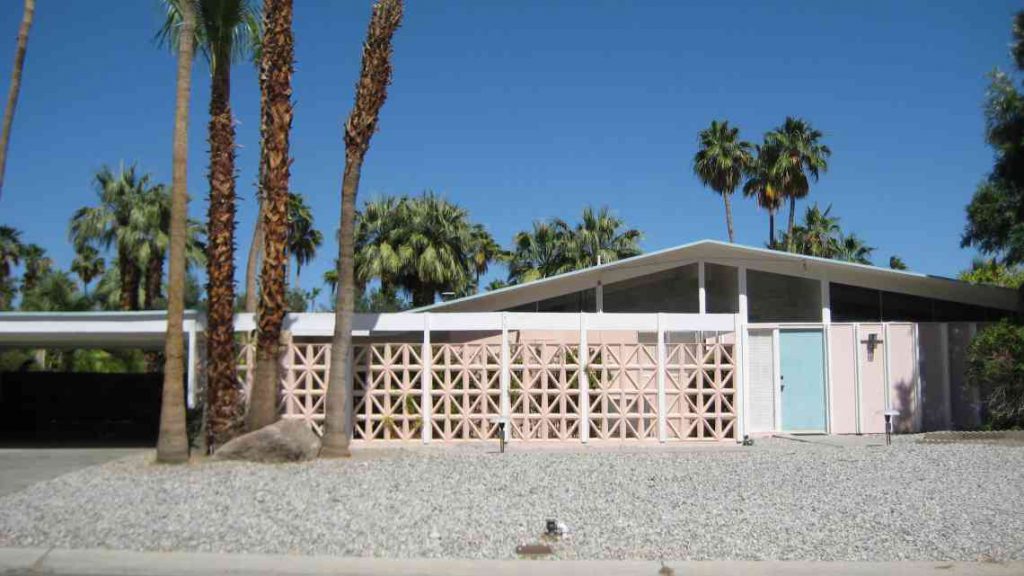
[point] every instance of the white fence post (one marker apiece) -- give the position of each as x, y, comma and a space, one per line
426, 402
584, 384
505, 378
738, 378
660, 352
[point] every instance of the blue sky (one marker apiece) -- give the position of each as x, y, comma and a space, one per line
529, 110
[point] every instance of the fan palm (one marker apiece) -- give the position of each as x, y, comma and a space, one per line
15, 90
801, 154
54, 291
436, 249
853, 249
122, 221
37, 264
539, 252
225, 31
303, 238
371, 93
483, 251
721, 162
819, 235
762, 186
276, 63
379, 233
87, 265
599, 239
10, 256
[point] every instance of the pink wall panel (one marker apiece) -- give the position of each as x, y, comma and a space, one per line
872, 380
843, 379
903, 377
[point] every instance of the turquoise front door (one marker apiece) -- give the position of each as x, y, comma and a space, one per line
802, 373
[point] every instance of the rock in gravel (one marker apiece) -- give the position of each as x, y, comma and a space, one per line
282, 441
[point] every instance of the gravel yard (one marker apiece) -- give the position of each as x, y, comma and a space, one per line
780, 499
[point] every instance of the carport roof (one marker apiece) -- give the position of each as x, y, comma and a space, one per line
89, 329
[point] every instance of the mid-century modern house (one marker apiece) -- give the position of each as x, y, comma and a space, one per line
704, 341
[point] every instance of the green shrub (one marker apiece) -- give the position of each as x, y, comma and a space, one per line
995, 366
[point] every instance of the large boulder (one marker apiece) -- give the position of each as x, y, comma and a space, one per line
282, 441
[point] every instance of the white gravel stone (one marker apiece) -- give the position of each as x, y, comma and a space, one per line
777, 500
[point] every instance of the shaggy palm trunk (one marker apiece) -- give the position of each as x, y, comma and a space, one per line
172, 443
130, 280
12, 95
153, 284
371, 93
728, 217
276, 84
789, 227
223, 397
771, 228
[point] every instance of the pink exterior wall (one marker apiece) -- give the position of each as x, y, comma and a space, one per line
843, 379
903, 377
872, 380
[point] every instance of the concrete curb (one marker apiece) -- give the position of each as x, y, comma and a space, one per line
125, 563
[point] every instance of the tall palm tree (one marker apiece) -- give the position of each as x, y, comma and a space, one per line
277, 56
10, 256
762, 185
436, 249
801, 154
226, 30
539, 252
87, 265
371, 92
15, 90
153, 252
721, 162
37, 264
121, 221
303, 238
599, 239
172, 444
484, 251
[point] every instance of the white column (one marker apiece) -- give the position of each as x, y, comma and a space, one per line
426, 375
506, 377
885, 364
191, 364
742, 273
584, 397
826, 302
662, 404
739, 376
599, 296
701, 292
918, 401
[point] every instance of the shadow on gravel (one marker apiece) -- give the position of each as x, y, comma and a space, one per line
1002, 438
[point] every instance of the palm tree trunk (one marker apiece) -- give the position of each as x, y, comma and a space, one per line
154, 280
771, 228
172, 443
223, 394
255, 257
129, 281
371, 93
12, 94
728, 217
276, 70
789, 227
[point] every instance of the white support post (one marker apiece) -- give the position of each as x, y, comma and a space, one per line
191, 365
826, 338
584, 397
505, 378
599, 296
426, 375
739, 374
777, 373
885, 364
744, 317
918, 401
702, 301
826, 302
662, 404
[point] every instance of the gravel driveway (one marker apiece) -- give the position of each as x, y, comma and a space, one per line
780, 499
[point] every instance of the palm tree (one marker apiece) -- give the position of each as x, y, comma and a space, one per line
54, 291
435, 250
801, 154
853, 249
277, 56
153, 252
37, 264
721, 162
120, 221
539, 252
172, 444
484, 251
380, 227
226, 30
371, 92
599, 239
303, 238
10, 256
12, 94
819, 235
897, 263
87, 265
761, 184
